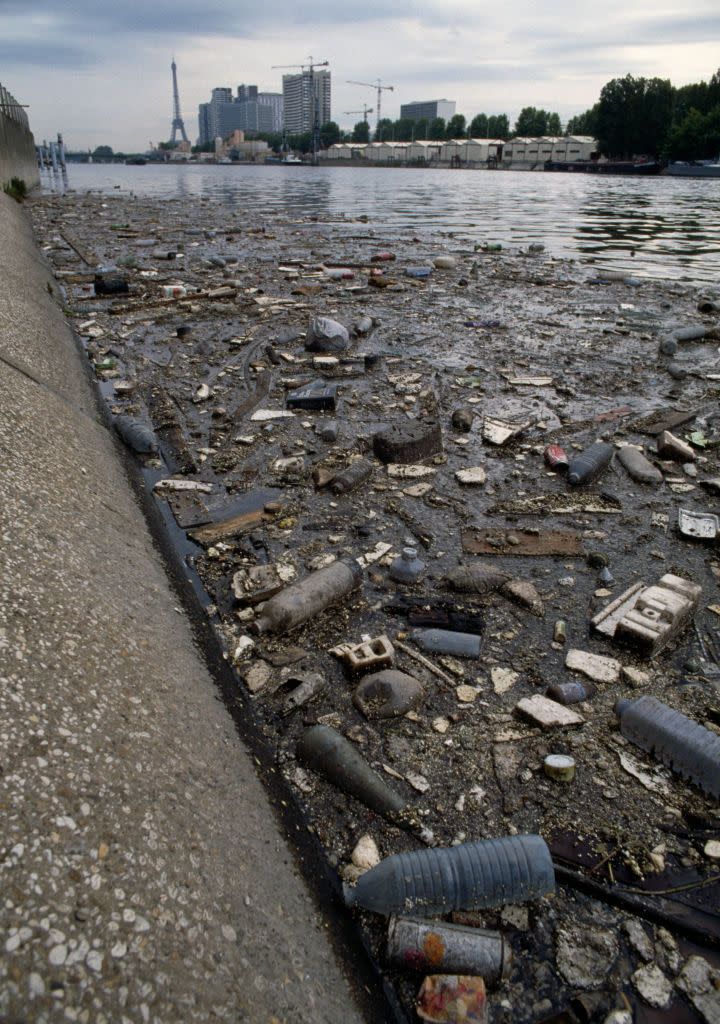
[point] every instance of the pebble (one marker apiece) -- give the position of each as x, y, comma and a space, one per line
366, 854
58, 955
712, 849
653, 986
466, 694
503, 678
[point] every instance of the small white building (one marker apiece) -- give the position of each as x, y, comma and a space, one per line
425, 151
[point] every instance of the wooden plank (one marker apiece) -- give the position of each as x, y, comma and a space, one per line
233, 526
521, 542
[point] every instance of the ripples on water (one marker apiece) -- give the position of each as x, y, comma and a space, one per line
672, 226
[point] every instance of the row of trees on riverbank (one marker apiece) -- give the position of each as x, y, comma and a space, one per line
650, 115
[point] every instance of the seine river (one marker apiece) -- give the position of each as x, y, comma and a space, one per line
653, 227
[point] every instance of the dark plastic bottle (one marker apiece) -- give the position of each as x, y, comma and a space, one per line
330, 754
136, 435
471, 876
588, 464
688, 748
407, 568
351, 477
445, 641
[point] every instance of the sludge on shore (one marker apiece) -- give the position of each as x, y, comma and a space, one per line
365, 440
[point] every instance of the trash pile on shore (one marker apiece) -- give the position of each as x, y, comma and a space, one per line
455, 512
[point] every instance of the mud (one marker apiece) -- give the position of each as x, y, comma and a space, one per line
518, 337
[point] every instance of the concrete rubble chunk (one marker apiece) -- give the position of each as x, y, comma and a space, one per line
473, 476
701, 984
595, 666
523, 592
365, 855
547, 713
259, 582
585, 956
408, 442
653, 986
258, 676
503, 679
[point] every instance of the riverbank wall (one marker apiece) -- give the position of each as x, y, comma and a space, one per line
17, 146
143, 870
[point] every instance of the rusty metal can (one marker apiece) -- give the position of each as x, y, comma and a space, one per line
442, 948
556, 457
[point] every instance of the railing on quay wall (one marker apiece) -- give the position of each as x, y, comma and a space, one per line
10, 107
18, 158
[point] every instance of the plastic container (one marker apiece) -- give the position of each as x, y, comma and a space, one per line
136, 435
586, 466
680, 743
301, 601
569, 693
174, 291
440, 948
471, 876
407, 568
351, 477
330, 754
446, 641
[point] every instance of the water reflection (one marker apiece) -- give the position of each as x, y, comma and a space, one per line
671, 225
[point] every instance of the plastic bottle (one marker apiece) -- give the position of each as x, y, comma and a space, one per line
569, 693
354, 475
174, 291
688, 748
445, 641
301, 601
470, 876
136, 435
586, 466
330, 754
436, 947
407, 568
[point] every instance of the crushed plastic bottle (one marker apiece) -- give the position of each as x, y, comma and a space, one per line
680, 743
489, 873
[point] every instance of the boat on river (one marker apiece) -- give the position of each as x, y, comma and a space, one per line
604, 166
694, 169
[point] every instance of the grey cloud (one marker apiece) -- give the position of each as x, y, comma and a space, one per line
468, 73
44, 53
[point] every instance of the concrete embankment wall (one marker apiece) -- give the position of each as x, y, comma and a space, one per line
17, 153
143, 873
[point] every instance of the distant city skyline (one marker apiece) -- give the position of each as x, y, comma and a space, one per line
100, 73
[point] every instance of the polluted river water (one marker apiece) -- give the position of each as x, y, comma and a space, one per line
275, 348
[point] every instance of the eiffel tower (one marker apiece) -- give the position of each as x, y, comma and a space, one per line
178, 125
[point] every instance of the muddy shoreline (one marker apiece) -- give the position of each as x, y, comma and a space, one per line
515, 336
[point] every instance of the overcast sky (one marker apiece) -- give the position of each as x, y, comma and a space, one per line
99, 70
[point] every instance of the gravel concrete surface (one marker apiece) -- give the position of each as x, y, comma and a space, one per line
143, 875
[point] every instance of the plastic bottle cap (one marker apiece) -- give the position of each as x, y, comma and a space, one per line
409, 554
621, 705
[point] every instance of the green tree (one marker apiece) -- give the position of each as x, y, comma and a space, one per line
553, 124
696, 137
583, 124
422, 129
456, 127
437, 128
532, 121
479, 127
361, 132
103, 153
634, 116
329, 134
206, 147
404, 129
498, 126
302, 142
384, 130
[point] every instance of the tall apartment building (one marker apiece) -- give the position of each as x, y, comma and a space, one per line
422, 110
299, 94
248, 111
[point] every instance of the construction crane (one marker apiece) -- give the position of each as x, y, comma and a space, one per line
379, 87
365, 111
309, 67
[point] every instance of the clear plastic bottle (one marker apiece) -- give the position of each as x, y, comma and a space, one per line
688, 748
407, 568
489, 873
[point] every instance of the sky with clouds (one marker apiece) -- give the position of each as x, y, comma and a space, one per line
99, 70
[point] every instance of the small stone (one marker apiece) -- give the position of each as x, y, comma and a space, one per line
228, 932
119, 950
366, 854
503, 678
441, 725
243, 648
635, 676
258, 676
595, 666
36, 985
418, 782
94, 960
584, 958
701, 983
712, 849
524, 593
58, 955
515, 916
474, 476
546, 713
639, 939
465, 693
653, 986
